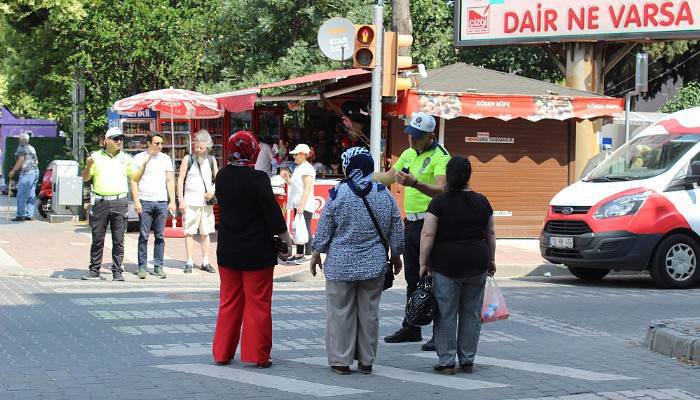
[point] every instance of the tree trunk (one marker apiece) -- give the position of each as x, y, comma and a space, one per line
401, 19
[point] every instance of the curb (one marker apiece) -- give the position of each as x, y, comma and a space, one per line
675, 338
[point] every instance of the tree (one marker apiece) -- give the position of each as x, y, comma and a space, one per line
687, 96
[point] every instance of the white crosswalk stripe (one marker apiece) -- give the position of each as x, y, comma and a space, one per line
542, 368
407, 375
554, 325
648, 394
264, 380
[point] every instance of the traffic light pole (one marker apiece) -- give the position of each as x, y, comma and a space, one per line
375, 136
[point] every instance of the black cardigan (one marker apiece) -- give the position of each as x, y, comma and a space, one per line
248, 218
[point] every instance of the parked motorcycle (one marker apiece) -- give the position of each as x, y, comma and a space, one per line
45, 193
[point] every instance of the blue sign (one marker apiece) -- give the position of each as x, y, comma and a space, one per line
113, 117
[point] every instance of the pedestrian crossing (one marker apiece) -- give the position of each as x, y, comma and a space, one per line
174, 324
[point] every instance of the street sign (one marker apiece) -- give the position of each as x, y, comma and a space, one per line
336, 39
501, 22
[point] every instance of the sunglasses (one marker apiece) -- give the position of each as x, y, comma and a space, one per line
119, 138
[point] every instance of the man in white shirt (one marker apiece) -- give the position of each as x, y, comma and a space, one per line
153, 191
301, 196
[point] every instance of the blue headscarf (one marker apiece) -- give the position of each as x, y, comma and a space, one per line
358, 166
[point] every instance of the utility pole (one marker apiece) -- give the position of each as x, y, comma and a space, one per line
375, 136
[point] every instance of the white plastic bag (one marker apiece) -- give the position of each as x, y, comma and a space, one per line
494, 308
299, 233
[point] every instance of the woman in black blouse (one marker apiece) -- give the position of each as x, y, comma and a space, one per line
248, 219
457, 249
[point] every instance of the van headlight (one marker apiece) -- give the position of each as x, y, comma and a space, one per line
621, 206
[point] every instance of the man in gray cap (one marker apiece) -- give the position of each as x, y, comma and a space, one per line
28, 167
421, 170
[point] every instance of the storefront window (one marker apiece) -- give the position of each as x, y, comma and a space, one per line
241, 121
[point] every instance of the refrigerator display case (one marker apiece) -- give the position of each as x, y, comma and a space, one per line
182, 137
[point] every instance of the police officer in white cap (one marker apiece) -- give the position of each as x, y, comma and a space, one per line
421, 169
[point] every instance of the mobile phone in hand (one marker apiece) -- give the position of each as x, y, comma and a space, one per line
405, 170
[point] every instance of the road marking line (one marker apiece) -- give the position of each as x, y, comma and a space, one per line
659, 394
4, 242
415, 376
7, 262
264, 380
542, 368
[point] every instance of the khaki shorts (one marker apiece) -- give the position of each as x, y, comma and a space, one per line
199, 220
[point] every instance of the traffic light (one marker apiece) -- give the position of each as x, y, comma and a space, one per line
365, 47
393, 62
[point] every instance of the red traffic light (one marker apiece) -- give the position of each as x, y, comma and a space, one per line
365, 35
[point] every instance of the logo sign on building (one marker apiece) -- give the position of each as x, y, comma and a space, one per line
485, 137
497, 22
336, 39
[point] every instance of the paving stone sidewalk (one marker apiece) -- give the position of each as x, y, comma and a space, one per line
678, 338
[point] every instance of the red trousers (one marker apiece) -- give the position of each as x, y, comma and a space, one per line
245, 299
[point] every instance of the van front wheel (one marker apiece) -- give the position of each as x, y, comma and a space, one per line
588, 274
675, 262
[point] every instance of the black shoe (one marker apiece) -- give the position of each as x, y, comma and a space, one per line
429, 345
117, 276
91, 275
207, 268
266, 364
27, 218
188, 269
467, 368
445, 369
18, 219
364, 369
404, 335
341, 369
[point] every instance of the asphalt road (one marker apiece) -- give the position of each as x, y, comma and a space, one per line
68, 339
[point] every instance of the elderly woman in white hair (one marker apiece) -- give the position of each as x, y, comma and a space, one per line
195, 191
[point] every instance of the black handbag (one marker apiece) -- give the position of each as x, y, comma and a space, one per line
421, 306
389, 274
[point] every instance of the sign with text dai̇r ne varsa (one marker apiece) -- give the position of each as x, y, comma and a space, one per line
494, 22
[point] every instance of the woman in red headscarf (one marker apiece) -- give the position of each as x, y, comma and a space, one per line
249, 217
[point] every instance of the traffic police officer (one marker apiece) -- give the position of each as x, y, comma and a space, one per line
421, 170
109, 170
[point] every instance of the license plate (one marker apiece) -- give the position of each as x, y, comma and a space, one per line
561, 242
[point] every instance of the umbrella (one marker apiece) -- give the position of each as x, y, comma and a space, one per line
177, 103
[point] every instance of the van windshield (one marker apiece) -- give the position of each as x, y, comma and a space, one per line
643, 157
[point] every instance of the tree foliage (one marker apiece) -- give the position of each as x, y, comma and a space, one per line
687, 96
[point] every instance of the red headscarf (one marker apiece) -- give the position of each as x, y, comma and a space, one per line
243, 149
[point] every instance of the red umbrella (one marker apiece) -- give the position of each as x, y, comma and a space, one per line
177, 103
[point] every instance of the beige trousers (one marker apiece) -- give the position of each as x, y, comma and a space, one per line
352, 320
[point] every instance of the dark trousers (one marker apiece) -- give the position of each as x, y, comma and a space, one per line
411, 265
112, 212
306, 248
153, 216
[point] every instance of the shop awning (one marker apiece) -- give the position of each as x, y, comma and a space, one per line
506, 107
244, 100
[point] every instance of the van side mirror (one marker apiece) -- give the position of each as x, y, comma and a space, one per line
695, 169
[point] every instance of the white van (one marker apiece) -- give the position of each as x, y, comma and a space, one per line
639, 209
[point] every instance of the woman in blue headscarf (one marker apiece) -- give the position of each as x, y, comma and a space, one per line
355, 262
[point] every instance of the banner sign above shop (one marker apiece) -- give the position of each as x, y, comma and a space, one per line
507, 107
497, 22
485, 137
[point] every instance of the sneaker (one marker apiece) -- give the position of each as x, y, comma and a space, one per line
158, 271
27, 218
429, 345
91, 275
404, 335
18, 219
142, 273
445, 369
188, 268
117, 276
207, 268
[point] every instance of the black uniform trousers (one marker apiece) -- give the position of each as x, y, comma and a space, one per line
411, 264
114, 213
